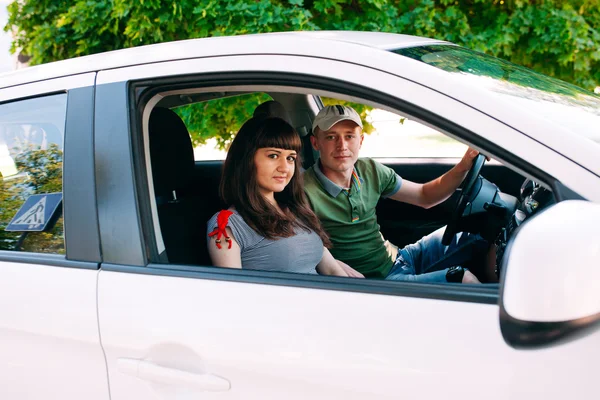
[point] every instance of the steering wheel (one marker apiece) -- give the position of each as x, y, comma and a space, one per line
466, 189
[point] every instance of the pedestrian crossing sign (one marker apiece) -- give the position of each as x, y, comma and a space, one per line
37, 214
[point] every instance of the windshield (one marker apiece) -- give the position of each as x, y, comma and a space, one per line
564, 104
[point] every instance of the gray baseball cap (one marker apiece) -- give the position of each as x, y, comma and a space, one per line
331, 115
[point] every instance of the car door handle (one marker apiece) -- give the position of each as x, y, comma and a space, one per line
150, 371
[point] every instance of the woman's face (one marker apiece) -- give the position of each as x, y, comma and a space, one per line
274, 169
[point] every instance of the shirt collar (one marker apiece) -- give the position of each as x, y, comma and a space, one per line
333, 188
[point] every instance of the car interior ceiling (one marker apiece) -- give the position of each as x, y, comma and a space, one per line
187, 193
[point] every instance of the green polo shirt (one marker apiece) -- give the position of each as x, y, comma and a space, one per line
349, 216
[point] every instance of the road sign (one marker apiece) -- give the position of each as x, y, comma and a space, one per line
36, 213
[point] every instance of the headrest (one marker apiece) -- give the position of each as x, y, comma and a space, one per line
171, 152
272, 108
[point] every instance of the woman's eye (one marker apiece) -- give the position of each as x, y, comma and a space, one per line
291, 158
273, 156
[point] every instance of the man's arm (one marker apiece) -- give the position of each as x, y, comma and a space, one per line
429, 194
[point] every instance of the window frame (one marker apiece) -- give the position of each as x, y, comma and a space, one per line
140, 93
77, 165
485, 294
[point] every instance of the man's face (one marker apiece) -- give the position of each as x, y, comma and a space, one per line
338, 146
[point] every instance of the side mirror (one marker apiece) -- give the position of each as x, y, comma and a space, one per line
550, 289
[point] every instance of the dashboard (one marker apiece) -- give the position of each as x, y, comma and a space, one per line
533, 199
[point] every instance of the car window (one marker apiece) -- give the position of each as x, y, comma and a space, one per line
188, 202
213, 124
389, 135
399, 137
31, 159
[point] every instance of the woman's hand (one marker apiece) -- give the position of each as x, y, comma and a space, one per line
352, 273
331, 266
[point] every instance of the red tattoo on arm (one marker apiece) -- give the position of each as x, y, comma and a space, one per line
222, 220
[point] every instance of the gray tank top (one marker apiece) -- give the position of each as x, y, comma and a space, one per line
299, 253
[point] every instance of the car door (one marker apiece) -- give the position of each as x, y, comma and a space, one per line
180, 331
49, 338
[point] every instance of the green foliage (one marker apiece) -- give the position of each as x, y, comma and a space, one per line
10, 202
43, 168
220, 118
459, 59
559, 38
40, 171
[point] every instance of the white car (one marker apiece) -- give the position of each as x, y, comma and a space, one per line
115, 298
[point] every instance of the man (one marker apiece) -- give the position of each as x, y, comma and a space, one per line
344, 190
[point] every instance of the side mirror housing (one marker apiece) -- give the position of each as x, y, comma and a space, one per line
550, 289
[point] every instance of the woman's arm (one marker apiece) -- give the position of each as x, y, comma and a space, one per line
331, 266
352, 273
225, 256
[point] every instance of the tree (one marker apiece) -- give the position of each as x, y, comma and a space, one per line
556, 37
10, 204
221, 120
40, 172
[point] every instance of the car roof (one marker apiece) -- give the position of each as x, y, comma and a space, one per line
267, 43
380, 40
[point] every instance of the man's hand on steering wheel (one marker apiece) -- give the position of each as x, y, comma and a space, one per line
466, 162
472, 161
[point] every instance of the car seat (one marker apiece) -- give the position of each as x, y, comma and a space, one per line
181, 214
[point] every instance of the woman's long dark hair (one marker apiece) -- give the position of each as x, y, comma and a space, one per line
239, 186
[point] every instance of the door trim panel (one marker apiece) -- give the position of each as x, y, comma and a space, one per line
483, 294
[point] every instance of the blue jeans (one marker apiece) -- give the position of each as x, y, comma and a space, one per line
428, 259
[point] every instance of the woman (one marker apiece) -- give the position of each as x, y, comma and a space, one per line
269, 225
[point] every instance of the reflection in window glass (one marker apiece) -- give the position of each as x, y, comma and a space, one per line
565, 104
31, 158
